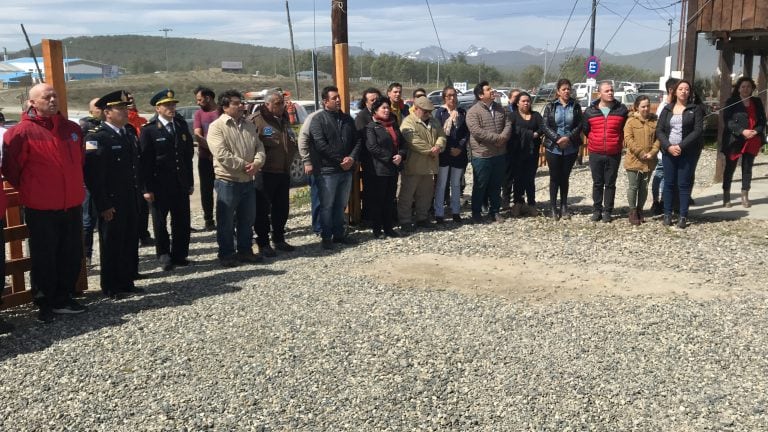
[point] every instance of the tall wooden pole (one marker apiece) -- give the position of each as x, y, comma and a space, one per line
727, 58
341, 61
762, 77
691, 39
293, 54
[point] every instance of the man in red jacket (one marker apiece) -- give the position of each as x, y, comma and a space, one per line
604, 126
43, 160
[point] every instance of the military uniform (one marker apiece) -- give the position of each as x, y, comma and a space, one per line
90, 215
112, 176
166, 167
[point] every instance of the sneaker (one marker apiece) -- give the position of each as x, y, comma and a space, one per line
607, 217
71, 306
229, 261
667, 220
392, 233
596, 216
245, 257
267, 251
439, 220
5, 327
45, 315
457, 218
682, 223
285, 247
209, 226
327, 244
477, 219
497, 218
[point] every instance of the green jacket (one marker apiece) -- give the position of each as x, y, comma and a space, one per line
419, 140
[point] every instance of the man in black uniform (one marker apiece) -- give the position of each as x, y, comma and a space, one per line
112, 177
166, 168
90, 215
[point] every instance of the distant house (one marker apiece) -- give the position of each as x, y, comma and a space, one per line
11, 76
74, 68
232, 66
307, 75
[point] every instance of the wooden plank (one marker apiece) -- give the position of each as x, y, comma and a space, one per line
748, 15
761, 15
736, 15
762, 78
16, 233
717, 15
705, 19
14, 200
16, 299
53, 59
18, 265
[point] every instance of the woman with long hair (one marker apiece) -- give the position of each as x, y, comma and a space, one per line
562, 131
453, 160
640, 161
744, 119
679, 131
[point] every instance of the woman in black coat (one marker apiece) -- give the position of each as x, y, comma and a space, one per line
386, 147
525, 144
744, 120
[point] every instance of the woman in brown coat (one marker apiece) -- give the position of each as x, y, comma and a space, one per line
640, 161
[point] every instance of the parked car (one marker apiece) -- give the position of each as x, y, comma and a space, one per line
188, 112
579, 90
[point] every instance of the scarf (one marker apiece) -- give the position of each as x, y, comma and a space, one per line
388, 124
448, 125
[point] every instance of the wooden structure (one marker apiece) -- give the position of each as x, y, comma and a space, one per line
735, 27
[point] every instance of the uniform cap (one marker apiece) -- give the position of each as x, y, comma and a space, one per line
163, 96
116, 98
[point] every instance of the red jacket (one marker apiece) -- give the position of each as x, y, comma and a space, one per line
43, 160
605, 135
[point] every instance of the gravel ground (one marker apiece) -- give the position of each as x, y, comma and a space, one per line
552, 326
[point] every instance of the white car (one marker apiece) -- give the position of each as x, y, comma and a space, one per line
580, 90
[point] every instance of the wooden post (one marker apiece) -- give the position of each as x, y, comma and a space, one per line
691, 36
725, 64
53, 59
762, 78
749, 61
341, 61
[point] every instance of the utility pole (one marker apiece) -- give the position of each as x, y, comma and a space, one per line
592, 29
669, 50
361, 58
293, 54
166, 30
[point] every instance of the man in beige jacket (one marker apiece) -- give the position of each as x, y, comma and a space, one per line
238, 156
424, 139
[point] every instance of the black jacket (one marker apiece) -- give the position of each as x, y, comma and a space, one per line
333, 138
550, 125
361, 121
458, 138
693, 127
112, 168
166, 160
522, 141
381, 149
736, 120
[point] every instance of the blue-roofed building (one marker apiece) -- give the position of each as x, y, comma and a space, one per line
74, 68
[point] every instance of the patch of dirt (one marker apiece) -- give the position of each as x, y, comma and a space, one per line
533, 280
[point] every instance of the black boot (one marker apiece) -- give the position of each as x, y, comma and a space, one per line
727, 199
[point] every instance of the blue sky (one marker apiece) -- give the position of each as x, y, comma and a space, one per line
383, 26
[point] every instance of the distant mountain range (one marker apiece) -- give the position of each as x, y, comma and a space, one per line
706, 64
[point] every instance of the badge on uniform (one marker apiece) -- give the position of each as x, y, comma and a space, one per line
268, 131
91, 145
74, 137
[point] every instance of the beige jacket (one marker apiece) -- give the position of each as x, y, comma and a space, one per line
233, 146
419, 140
640, 139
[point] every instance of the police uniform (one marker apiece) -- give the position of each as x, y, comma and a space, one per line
166, 167
112, 176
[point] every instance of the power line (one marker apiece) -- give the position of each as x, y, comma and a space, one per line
442, 51
544, 77
660, 7
633, 22
619, 27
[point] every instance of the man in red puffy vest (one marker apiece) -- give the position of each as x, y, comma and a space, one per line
604, 126
43, 160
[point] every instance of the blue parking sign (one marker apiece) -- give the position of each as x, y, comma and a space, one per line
592, 66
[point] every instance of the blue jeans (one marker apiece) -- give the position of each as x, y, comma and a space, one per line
235, 206
678, 173
448, 175
334, 195
314, 196
488, 175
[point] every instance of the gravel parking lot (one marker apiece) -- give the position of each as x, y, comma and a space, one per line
529, 324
